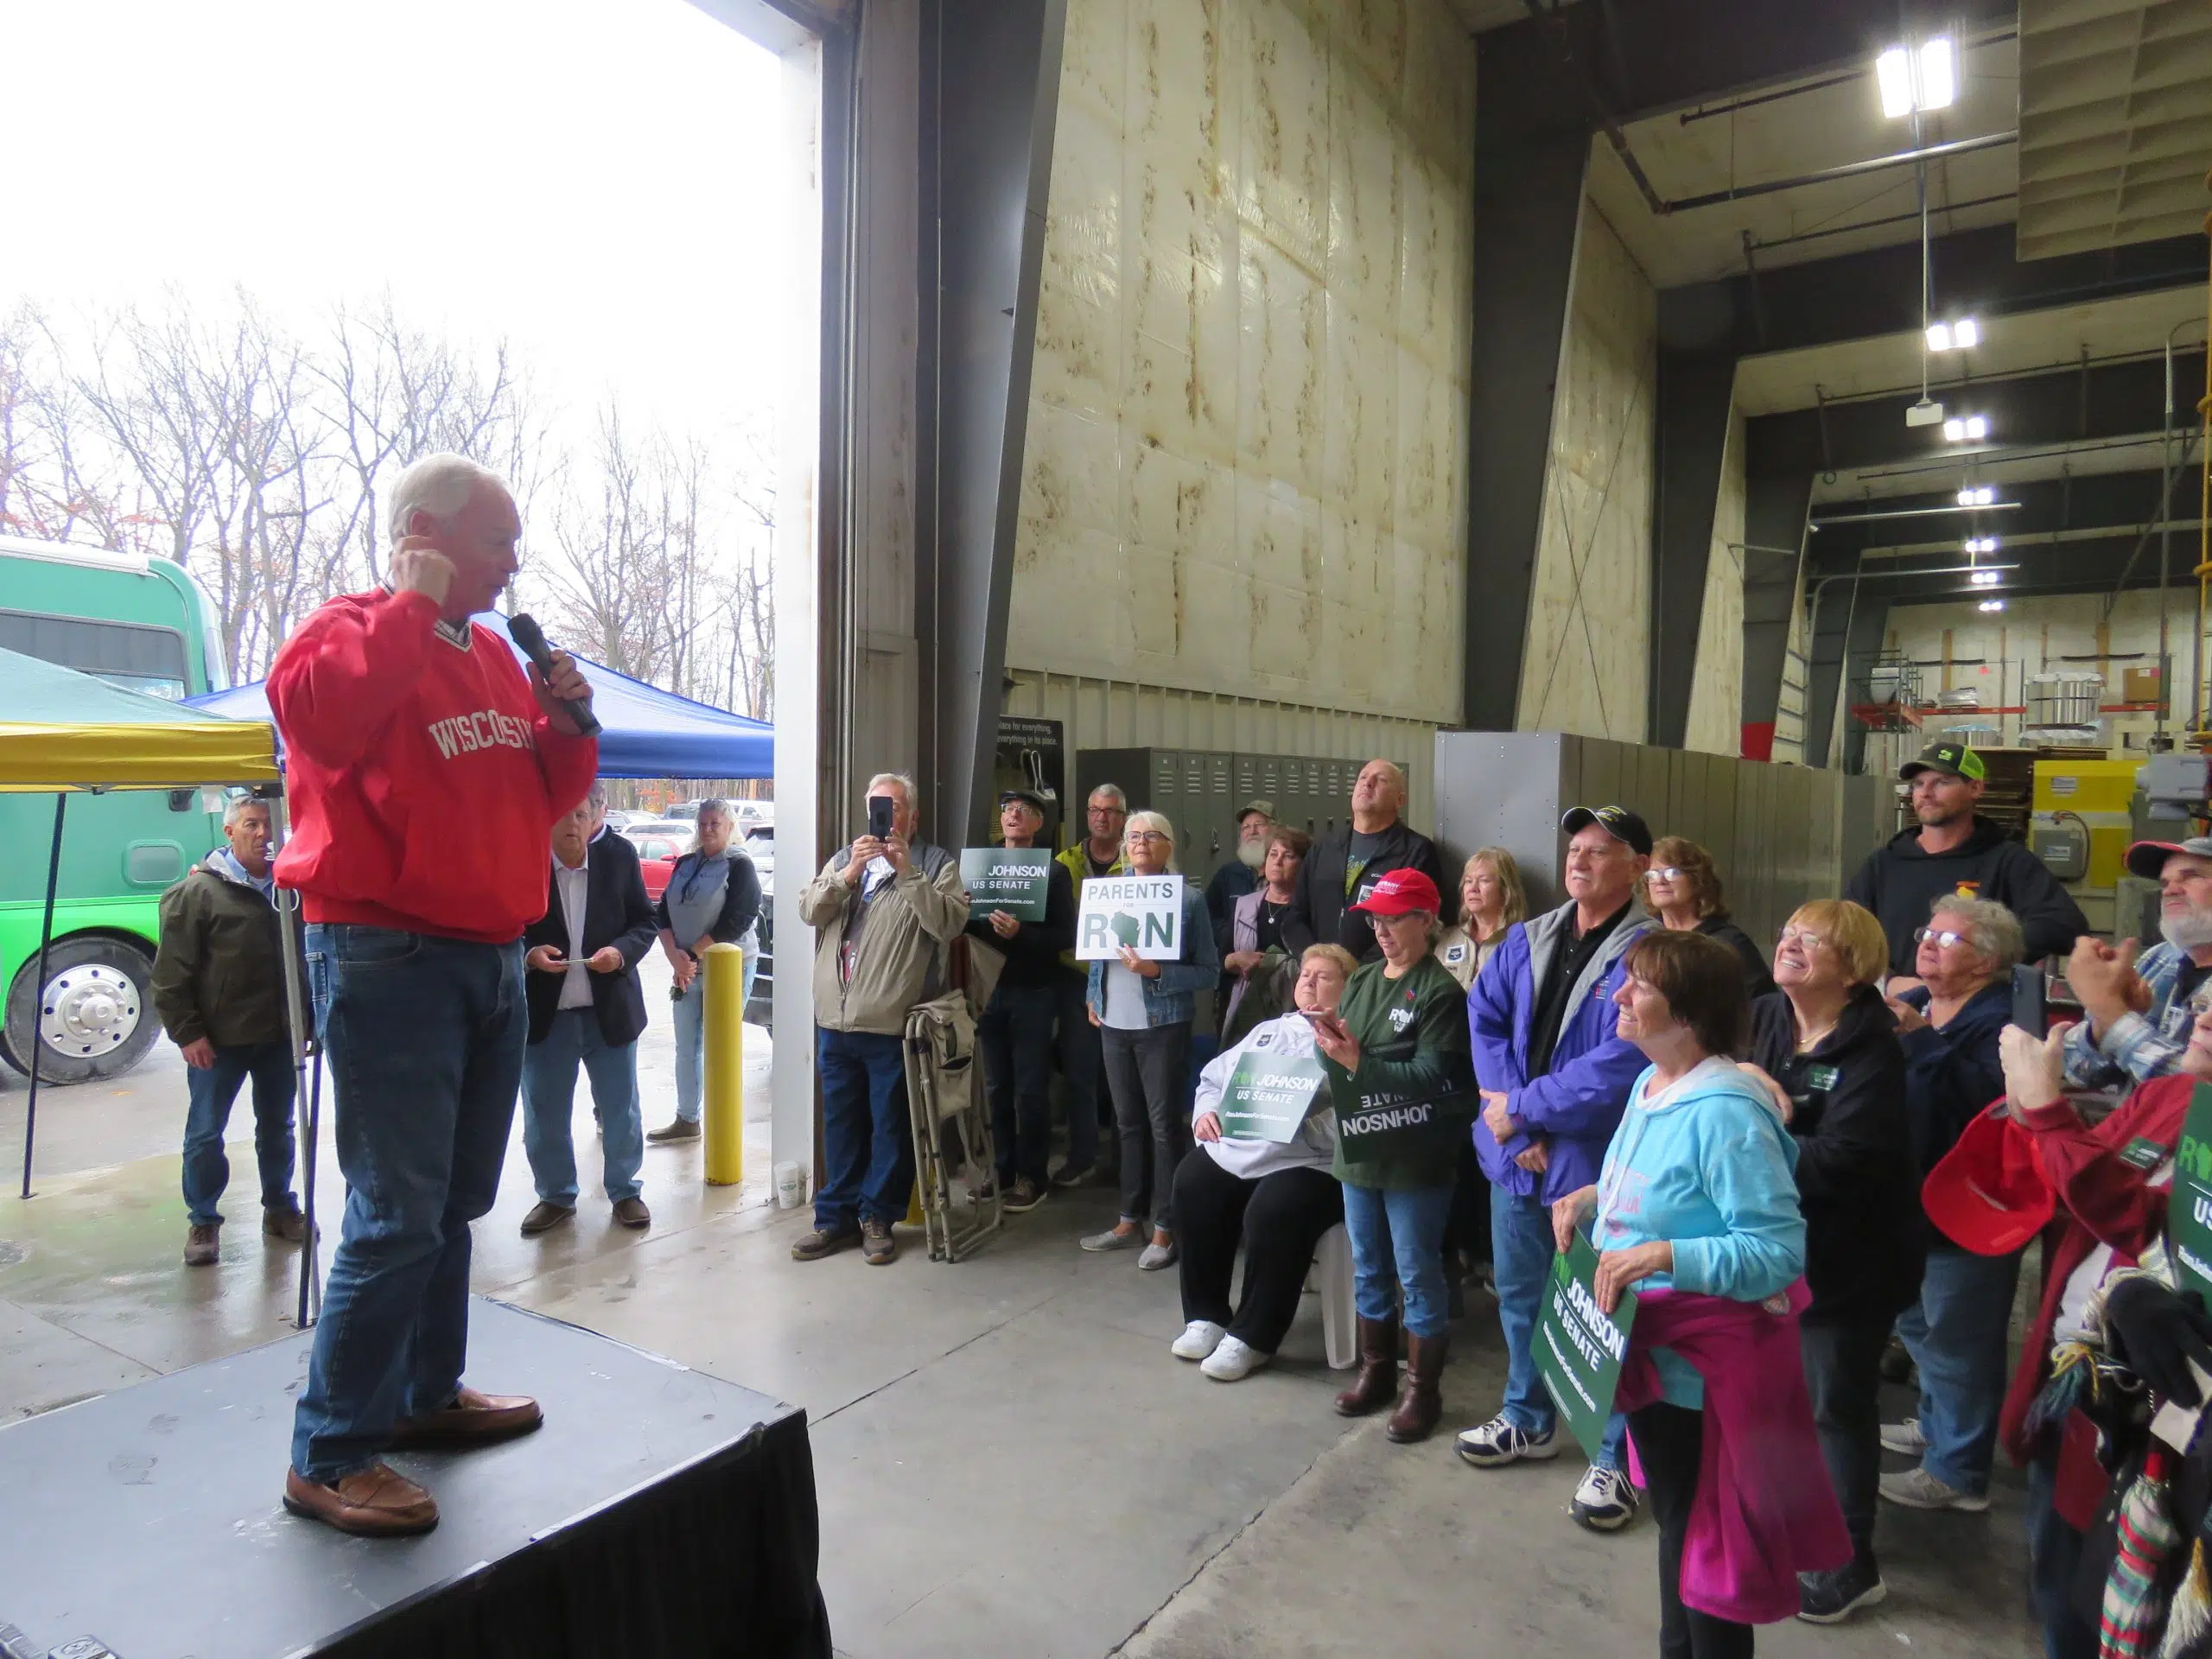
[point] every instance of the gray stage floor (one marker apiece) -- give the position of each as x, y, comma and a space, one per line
1009, 1461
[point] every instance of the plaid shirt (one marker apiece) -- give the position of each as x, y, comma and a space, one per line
2138, 1047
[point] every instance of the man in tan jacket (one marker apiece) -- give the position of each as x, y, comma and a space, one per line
885, 910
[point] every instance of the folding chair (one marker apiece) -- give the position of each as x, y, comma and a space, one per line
945, 1097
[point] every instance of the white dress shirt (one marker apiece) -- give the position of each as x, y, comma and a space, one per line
575, 887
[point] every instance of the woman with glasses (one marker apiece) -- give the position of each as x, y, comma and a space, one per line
1491, 899
1829, 1045
1143, 1011
1956, 1331
1684, 893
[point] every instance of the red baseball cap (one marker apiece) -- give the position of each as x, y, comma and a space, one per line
1398, 892
1989, 1193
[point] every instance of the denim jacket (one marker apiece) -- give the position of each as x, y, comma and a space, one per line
1171, 999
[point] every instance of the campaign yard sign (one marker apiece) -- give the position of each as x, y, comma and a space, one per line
2188, 1208
1142, 912
1011, 878
1579, 1351
1268, 1096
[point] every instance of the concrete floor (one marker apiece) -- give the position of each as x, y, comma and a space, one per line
1009, 1461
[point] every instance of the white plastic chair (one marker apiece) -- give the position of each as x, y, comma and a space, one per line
1339, 1317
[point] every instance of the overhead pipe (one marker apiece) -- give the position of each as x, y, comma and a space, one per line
1847, 170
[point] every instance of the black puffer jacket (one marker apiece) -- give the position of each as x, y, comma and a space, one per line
1858, 1180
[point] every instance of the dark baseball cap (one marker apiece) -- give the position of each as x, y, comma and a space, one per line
1265, 809
2148, 858
1615, 821
1028, 796
1955, 759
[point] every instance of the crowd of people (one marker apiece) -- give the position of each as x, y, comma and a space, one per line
1792, 1160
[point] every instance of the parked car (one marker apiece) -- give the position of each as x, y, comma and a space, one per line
620, 817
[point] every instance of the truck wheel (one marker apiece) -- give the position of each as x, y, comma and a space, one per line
96, 1018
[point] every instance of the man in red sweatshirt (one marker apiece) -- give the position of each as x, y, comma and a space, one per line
401, 719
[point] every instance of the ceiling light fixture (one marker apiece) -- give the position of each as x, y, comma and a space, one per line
1963, 335
1982, 544
1917, 79
1969, 429
1985, 578
1993, 605
1981, 496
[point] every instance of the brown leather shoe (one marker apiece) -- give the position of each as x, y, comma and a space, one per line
632, 1212
877, 1245
1422, 1403
288, 1224
377, 1502
203, 1246
544, 1217
473, 1418
1377, 1381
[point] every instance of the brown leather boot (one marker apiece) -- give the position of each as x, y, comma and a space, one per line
1378, 1369
1422, 1403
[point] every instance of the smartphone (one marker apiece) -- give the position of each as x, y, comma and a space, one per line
879, 815
2031, 1006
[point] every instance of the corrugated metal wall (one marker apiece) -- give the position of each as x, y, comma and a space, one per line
1098, 714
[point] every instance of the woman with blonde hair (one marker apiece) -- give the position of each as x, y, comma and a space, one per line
1143, 1011
1491, 899
1829, 1046
1684, 893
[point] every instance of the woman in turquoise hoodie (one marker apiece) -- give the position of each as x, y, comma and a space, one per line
1697, 1193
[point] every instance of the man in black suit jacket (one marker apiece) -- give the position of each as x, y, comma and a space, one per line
586, 1005
1344, 868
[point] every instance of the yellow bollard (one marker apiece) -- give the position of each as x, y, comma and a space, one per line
722, 1035
914, 1216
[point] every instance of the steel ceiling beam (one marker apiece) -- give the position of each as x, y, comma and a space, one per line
2090, 501
2109, 400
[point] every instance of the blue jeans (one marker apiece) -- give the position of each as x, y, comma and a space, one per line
1015, 1034
1522, 1248
2053, 1562
1957, 1334
1397, 1238
868, 1141
690, 1038
424, 1038
549, 1107
212, 1090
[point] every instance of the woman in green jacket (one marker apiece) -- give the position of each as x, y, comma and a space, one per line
1403, 1083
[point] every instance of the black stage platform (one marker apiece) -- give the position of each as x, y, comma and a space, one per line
659, 1511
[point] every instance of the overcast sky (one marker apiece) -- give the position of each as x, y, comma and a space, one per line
599, 180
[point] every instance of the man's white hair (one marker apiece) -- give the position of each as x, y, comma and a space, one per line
897, 777
239, 805
439, 484
1112, 793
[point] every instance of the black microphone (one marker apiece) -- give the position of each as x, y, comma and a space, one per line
526, 633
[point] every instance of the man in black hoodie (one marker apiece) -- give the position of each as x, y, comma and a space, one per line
1957, 850
1343, 867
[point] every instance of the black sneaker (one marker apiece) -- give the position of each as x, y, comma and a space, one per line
1022, 1197
1831, 1597
1069, 1175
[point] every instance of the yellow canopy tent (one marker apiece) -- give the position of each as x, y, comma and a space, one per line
63, 732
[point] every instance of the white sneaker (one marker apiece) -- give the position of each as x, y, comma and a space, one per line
1916, 1489
1904, 1437
1199, 1338
1233, 1360
1497, 1442
1603, 1501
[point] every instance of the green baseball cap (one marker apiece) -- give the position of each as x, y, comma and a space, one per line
1956, 758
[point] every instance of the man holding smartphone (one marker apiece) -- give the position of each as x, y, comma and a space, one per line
884, 911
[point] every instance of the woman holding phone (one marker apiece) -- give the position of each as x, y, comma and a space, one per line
1399, 1038
1143, 1011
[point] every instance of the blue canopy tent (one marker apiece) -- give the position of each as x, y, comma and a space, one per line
649, 732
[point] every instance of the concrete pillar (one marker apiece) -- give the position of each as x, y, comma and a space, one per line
1696, 390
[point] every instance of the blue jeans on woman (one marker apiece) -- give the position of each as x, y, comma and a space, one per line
690, 1040
1398, 1243
213, 1092
1956, 1335
423, 1039
1521, 1246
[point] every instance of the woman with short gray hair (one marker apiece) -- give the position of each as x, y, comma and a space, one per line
1948, 1027
713, 897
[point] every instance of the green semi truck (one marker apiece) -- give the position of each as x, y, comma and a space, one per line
144, 625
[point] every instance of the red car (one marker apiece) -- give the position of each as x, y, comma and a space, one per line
656, 856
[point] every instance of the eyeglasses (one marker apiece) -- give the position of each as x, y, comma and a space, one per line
1149, 834
1943, 939
1669, 874
1799, 936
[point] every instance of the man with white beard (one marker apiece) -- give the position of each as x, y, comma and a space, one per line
2139, 1011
